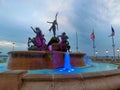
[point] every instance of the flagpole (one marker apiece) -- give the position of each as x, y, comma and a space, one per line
76, 42
94, 48
113, 45
93, 39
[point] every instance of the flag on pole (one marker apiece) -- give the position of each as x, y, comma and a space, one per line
113, 32
92, 36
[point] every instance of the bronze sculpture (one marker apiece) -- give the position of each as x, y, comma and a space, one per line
59, 43
38, 40
54, 25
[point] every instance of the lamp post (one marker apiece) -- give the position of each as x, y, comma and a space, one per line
118, 51
96, 53
106, 53
13, 46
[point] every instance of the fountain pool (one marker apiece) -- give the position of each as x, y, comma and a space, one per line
94, 67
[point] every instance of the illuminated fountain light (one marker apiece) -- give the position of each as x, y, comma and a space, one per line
67, 64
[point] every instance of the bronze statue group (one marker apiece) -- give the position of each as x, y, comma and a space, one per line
58, 43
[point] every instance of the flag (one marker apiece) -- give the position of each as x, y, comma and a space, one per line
92, 36
113, 32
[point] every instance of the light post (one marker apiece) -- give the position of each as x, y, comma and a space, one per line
118, 51
96, 53
106, 53
13, 46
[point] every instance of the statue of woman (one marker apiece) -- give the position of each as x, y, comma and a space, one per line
54, 25
64, 44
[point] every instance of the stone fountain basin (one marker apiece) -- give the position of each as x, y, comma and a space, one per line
32, 60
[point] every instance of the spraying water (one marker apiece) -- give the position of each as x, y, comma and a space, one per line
67, 64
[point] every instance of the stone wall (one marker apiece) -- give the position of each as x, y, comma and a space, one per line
11, 80
20, 80
109, 80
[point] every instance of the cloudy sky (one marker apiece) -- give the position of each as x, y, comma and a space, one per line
81, 16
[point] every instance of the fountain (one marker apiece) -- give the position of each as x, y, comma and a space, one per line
50, 58
45, 56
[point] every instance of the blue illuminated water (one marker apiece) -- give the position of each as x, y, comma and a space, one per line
67, 65
95, 67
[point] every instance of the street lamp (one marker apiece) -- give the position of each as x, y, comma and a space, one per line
118, 51
13, 46
106, 53
96, 53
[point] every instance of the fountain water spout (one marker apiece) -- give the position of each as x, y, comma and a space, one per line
67, 64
